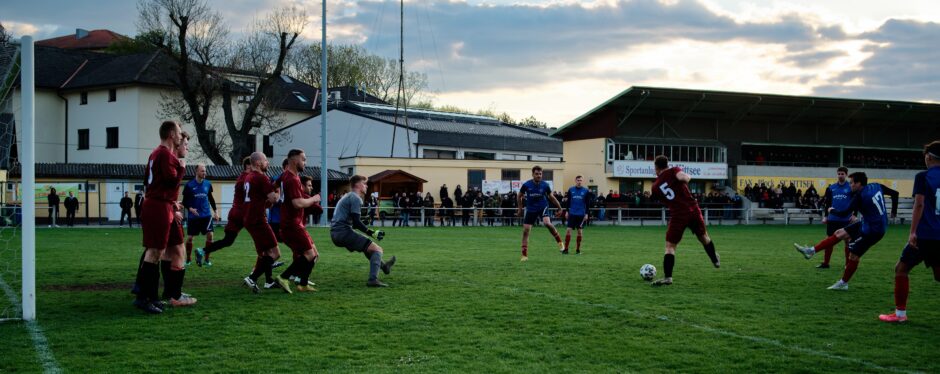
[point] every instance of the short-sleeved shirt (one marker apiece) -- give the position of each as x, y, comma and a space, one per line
163, 175
350, 204
274, 212
257, 188
841, 196
578, 200
536, 195
197, 196
673, 193
290, 190
870, 202
927, 183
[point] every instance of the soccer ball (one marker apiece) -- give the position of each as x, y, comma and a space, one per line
647, 272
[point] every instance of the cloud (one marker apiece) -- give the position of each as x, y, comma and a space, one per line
904, 64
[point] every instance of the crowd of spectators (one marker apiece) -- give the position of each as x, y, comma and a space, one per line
891, 160
785, 158
774, 197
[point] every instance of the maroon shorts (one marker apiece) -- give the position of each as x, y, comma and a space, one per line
263, 237
235, 223
297, 239
156, 218
678, 223
176, 234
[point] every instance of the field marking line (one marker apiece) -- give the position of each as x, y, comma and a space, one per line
49, 363
705, 328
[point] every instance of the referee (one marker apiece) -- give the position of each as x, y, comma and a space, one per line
201, 210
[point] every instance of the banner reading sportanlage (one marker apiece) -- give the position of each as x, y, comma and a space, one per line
644, 169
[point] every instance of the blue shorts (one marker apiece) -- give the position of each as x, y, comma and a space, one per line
927, 251
861, 242
531, 217
575, 222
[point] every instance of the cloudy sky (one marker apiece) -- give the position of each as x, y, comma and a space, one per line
557, 59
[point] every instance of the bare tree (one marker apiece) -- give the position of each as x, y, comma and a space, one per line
4, 37
197, 40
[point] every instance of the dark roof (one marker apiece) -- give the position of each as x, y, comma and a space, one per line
134, 171
389, 173
95, 39
752, 107
462, 130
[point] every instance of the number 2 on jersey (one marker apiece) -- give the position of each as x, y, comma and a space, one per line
670, 194
247, 187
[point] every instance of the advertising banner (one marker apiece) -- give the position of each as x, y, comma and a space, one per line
644, 169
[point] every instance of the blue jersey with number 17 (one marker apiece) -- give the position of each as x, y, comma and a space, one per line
927, 183
870, 202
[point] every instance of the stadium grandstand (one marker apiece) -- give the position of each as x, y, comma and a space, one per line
779, 151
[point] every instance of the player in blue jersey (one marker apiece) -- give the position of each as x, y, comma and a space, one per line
537, 193
579, 199
923, 245
200, 210
837, 197
867, 199
274, 212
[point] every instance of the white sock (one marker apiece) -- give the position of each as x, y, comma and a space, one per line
900, 313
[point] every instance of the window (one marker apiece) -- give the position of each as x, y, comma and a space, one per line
548, 175
511, 175
301, 97
475, 179
112, 137
83, 98
211, 135
112, 95
349, 170
267, 147
437, 153
515, 157
92, 187
630, 185
252, 142
250, 86
82, 139
479, 156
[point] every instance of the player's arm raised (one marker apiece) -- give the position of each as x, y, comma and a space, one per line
895, 195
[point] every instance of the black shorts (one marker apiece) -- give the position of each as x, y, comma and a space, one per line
861, 242
532, 217
833, 226
927, 251
199, 226
349, 239
575, 222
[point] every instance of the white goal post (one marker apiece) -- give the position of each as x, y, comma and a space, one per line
28, 175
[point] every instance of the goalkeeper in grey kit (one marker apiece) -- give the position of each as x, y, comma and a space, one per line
348, 217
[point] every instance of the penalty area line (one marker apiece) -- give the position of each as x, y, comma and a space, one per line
49, 364
705, 328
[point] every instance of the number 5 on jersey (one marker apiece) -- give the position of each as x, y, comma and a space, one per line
670, 194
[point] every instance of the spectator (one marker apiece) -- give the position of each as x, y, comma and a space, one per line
458, 195
396, 213
447, 211
467, 205
53, 199
372, 204
429, 209
443, 192
138, 204
126, 205
71, 205
404, 205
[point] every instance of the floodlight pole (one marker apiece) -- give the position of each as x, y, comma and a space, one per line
324, 174
28, 175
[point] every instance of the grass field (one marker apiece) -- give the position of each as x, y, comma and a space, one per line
461, 301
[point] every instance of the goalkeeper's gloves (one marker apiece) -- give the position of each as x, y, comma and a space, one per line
378, 235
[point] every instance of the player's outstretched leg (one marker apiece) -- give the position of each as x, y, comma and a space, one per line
374, 253
525, 242
709, 246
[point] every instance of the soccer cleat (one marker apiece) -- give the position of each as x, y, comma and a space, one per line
270, 285
376, 283
561, 247
717, 262
208, 264
661, 282
387, 265
147, 306
306, 289
276, 264
822, 266
283, 284
524, 258
183, 301
807, 252
252, 285
578, 252
892, 318
187, 264
200, 254
565, 251
839, 286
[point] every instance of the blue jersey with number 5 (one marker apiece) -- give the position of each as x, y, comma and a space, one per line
927, 183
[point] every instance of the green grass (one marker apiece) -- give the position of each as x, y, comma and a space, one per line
461, 301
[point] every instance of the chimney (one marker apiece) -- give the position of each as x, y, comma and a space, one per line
80, 33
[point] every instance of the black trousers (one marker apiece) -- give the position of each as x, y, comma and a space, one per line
126, 212
70, 217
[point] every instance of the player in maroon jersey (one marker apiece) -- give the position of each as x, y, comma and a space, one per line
259, 194
172, 266
293, 202
162, 176
672, 189
235, 215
